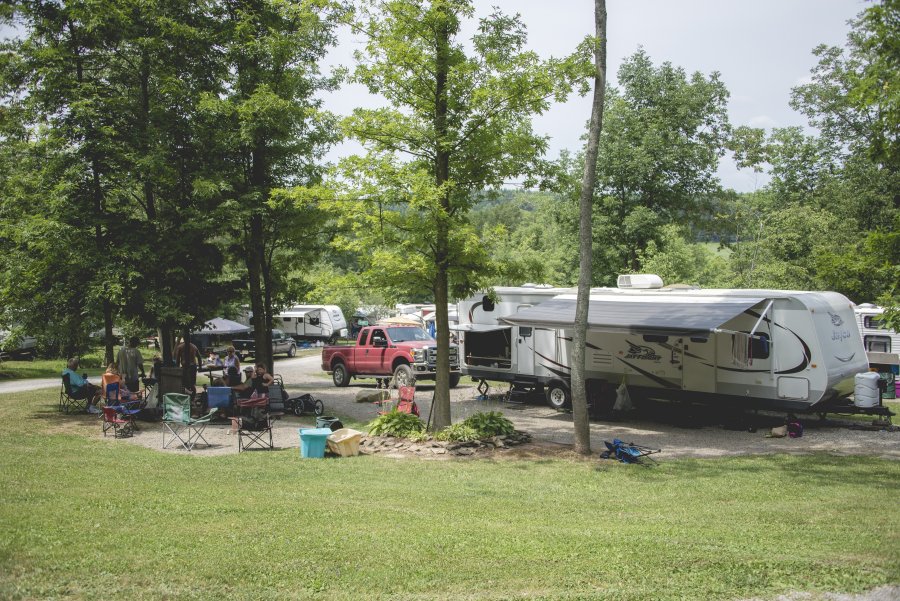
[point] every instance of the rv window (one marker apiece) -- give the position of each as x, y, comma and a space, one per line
313, 321
287, 319
524, 332
759, 346
699, 340
655, 338
487, 304
873, 322
877, 344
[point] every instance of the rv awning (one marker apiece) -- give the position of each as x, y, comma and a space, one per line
478, 327
669, 316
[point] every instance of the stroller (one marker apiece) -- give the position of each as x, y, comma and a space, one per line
628, 452
305, 403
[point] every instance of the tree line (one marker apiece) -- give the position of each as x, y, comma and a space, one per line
162, 163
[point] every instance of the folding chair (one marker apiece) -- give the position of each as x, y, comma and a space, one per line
70, 401
407, 400
628, 452
121, 426
178, 422
254, 423
128, 408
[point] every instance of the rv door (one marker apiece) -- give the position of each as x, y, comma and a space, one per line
698, 363
524, 344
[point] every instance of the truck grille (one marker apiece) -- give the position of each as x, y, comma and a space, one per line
431, 356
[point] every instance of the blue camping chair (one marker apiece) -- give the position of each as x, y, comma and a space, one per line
115, 398
628, 452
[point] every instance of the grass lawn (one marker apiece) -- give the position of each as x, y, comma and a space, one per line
84, 518
41, 368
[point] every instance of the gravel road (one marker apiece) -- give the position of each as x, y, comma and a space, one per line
699, 436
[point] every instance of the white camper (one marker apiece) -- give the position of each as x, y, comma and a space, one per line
313, 322
877, 338
754, 348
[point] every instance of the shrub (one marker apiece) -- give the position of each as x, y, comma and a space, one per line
395, 423
490, 423
458, 432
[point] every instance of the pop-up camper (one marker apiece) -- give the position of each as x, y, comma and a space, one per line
313, 322
754, 348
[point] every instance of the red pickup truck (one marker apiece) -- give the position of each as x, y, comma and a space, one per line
404, 352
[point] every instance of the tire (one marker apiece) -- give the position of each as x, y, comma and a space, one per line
292, 351
403, 375
454, 380
339, 375
320, 407
298, 408
558, 396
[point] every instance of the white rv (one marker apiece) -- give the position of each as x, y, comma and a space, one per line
753, 348
877, 338
312, 322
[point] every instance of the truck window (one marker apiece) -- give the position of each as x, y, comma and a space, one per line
378, 338
362, 337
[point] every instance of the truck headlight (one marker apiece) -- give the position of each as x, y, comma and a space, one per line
418, 355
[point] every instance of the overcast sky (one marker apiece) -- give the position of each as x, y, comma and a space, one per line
762, 48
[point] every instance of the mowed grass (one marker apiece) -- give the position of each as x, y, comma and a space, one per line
86, 518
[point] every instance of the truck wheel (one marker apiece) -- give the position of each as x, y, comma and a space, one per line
339, 375
403, 375
454, 380
292, 351
558, 396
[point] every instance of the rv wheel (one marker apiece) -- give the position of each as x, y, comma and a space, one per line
339, 375
558, 396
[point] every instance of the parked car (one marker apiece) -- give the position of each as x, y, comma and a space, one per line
24, 347
281, 344
382, 351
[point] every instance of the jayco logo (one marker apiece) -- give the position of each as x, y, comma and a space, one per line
840, 335
836, 319
644, 353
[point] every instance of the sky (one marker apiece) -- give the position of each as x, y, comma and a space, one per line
761, 48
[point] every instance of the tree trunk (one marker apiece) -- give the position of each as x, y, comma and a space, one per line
579, 338
440, 410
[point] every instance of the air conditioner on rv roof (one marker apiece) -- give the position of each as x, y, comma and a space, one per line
640, 280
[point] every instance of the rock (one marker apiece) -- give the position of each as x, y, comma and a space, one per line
465, 451
440, 451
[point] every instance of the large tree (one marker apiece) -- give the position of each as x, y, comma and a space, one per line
458, 122
663, 134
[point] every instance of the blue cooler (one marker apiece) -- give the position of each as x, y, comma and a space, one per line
312, 442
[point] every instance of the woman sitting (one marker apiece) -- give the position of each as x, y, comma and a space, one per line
112, 376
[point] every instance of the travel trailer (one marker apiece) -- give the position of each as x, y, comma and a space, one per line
312, 322
773, 349
875, 336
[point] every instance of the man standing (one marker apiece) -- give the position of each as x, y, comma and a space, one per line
187, 355
131, 364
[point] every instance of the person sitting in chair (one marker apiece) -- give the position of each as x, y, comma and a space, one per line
257, 382
79, 386
112, 376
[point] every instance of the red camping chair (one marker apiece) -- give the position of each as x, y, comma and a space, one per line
254, 423
121, 425
407, 400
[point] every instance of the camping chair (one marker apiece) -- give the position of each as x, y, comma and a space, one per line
70, 401
125, 407
121, 425
254, 423
178, 422
628, 452
407, 400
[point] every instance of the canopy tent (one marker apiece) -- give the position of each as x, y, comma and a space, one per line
676, 316
223, 326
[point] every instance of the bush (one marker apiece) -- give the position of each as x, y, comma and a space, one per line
395, 423
490, 423
459, 432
